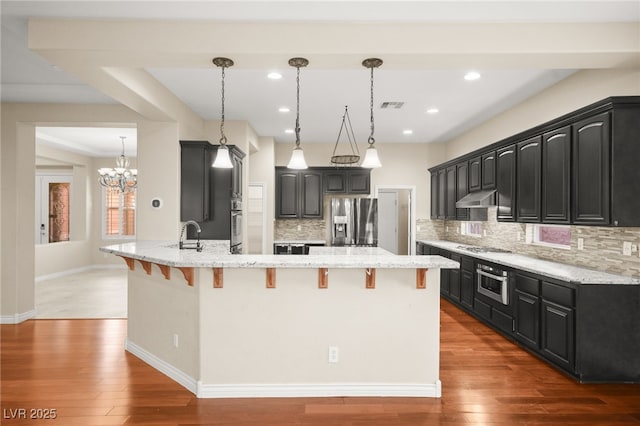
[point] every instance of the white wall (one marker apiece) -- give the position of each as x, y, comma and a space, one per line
574, 92
262, 163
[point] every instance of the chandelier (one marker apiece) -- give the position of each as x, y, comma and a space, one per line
120, 176
349, 158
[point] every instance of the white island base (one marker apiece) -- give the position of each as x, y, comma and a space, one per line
270, 332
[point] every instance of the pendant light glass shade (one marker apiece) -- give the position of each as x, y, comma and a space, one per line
371, 159
223, 161
297, 159
297, 156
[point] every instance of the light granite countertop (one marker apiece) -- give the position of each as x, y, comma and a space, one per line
559, 271
215, 256
349, 251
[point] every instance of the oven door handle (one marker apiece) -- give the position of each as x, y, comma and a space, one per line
486, 274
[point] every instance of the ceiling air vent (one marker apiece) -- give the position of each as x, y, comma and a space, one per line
391, 105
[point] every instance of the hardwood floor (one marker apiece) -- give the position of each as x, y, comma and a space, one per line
80, 369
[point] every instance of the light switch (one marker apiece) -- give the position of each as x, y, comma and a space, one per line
626, 248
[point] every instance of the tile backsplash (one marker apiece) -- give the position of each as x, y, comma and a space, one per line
602, 245
301, 229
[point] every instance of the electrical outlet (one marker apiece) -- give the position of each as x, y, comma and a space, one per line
175, 341
333, 354
580, 243
626, 248
299, 227
418, 228
484, 232
519, 236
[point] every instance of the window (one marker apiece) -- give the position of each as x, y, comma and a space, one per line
472, 229
552, 236
53, 208
119, 213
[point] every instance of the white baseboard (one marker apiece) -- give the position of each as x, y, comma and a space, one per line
78, 270
18, 318
162, 366
319, 390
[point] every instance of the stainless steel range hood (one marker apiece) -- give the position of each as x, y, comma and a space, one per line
477, 200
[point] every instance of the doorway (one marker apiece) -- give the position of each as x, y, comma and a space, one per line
256, 219
396, 210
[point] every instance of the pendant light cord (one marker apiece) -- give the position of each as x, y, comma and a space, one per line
371, 139
297, 130
223, 138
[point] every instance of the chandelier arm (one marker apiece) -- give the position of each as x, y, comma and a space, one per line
352, 138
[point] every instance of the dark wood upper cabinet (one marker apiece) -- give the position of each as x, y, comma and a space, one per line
556, 176
591, 160
287, 194
335, 181
442, 193
506, 183
475, 174
195, 162
462, 188
311, 196
358, 181
450, 211
434, 195
489, 170
528, 180
346, 181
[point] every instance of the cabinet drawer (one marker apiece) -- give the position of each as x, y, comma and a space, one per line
558, 294
467, 264
527, 284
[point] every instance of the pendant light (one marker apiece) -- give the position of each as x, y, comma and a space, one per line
297, 156
371, 159
223, 161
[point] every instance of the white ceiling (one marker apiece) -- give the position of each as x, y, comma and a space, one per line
27, 77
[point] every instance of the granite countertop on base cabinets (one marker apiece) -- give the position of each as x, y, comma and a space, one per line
299, 242
559, 271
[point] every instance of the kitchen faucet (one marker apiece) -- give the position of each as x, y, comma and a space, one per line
183, 244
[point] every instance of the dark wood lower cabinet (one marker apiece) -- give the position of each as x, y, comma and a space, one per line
589, 331
558, 334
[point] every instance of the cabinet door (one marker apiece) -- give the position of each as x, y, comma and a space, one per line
444, 273
236, 177
311, 197
558, 334
335, 181
454, 280
462, 188
434, 195
527, 318
466, 288
442, 193
528, 180
489, 170
287, 194
556, 174
506, 183
450, 212
195, 164
475, 174
358, 181
591, 153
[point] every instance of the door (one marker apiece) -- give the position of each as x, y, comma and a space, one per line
53, 208
388, 219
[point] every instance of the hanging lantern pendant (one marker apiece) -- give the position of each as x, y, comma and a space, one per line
346, 159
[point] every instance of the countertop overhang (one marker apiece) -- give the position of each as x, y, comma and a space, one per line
214, 256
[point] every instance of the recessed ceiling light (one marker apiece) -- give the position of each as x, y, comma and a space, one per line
407, 132
433, 111
472, 75
284, 109
274, 75
289, 131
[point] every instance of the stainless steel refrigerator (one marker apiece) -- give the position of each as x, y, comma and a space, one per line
354, 222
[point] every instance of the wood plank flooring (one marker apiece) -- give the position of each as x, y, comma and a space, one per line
80, 369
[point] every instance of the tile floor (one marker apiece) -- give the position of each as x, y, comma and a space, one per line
99, 293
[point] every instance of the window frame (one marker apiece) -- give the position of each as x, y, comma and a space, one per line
121, 209
535, 236
466, 225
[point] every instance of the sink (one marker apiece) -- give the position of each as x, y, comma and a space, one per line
474, 249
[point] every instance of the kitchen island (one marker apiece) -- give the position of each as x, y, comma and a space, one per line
362, 324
